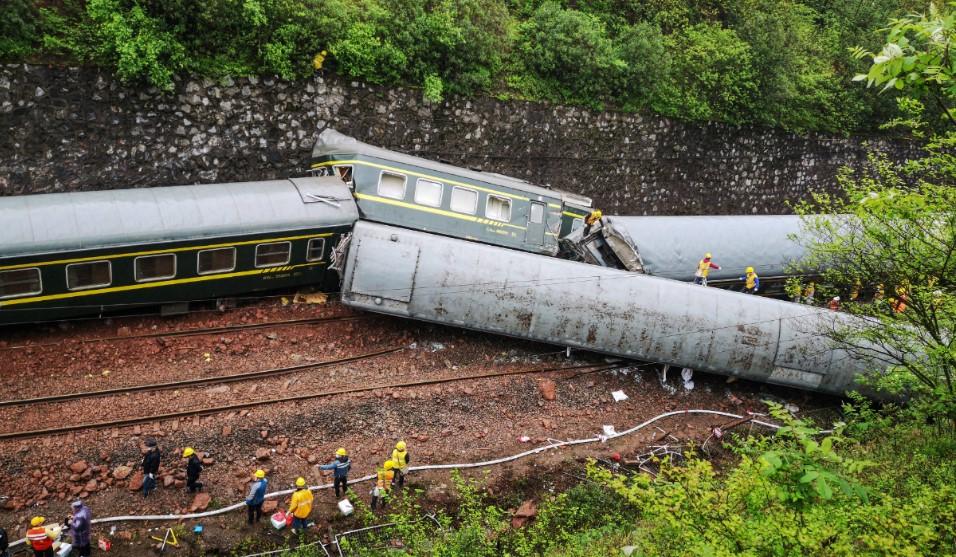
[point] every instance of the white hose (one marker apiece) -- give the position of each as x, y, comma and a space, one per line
551, 445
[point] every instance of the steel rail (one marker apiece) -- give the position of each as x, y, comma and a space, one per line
196, 331
242, 405
199, 381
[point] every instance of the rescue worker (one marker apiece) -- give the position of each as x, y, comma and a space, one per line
79, 524
751, 281
383, 483
340, 471
401, 459
593, 217
899, 302
319, 60
257, 495
193, 469
879, 293
808, 293
855, 291
4, 543
834, 304
41, 538
150, 467
703, 269
300, 506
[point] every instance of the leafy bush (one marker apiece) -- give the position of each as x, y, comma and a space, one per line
18, 29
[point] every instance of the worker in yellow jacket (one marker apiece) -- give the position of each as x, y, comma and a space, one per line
383, 483
703, 269
401, 459
300, 506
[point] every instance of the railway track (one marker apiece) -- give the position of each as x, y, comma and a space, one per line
323, 394
197, 331
196, 382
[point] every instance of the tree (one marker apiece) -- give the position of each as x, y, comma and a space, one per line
896, 236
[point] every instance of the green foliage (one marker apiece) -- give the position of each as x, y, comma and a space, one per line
897, 236
18, 29
743, 61
713, 77
917, 58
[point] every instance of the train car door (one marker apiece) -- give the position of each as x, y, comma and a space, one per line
536, 225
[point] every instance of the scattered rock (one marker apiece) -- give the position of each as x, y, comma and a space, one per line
200, 502
527, 511
269, 506
168, 481
136, 481
312, 459
90, 486
79, 467
548, 389
263, 454
122, 472
226, 430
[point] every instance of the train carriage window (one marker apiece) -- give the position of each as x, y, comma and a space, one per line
498, 208
428, 193
391, 185
274, 254
154, 267
464, 201
315, 249
537, 213
576, 223
80, 276
20, 282
218, 260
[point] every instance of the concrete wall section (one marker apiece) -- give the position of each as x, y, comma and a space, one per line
70, 129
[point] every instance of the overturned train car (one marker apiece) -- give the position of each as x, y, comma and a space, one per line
443, 280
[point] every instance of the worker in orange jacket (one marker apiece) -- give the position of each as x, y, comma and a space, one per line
41, 537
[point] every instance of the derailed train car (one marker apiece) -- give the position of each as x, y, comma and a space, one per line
70, 254
444, 280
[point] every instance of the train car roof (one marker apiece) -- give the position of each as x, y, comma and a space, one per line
332, 142
58, 222
671, 246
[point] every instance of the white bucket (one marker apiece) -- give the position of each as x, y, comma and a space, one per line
345, 507
65, 549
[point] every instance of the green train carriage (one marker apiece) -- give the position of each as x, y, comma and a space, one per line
73, 254
412, 192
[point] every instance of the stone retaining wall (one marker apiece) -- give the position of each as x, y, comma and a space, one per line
74, 129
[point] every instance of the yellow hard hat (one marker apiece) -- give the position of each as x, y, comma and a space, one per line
750, 269
340, 452
188, 451
300, 482
260, 474
707, 255
389, 464
400, 445
37, 520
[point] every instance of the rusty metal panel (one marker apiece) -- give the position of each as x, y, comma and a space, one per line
605, 310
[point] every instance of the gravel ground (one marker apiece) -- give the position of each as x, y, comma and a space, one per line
462, 421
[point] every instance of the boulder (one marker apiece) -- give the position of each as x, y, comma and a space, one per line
122, 472
168, 481
90, 486
263, 454
136, 481
269, 506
